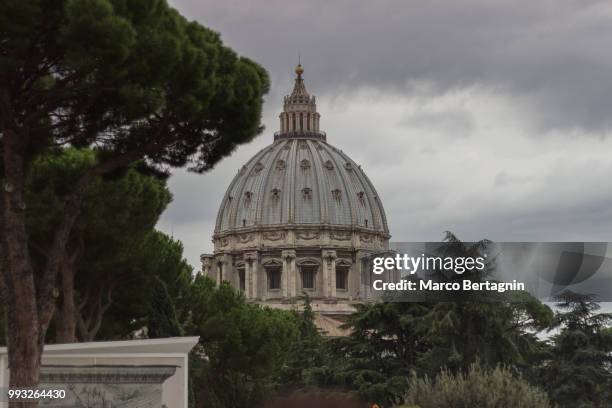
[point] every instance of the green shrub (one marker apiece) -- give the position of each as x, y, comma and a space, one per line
477, 388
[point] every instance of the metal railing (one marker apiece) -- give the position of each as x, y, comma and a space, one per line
301, 134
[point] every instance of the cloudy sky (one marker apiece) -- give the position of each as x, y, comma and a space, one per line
487, 118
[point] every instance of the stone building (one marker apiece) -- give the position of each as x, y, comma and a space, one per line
299, 217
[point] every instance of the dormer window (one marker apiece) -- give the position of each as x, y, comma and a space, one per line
304, 164
348, 166
280, 165
275, 193
337, 194
329, 165
307, 192
258, 168
361, 197
248, 195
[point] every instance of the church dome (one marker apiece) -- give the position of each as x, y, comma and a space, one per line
299, 217
301, 179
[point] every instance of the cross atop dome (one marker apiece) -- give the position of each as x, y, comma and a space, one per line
299, 118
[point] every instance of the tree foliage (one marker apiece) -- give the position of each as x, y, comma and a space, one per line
127, 76
242, 346
162, 319
492, 328
391, 340
159, 258
308, 357
118, 265
578, 372
383, 348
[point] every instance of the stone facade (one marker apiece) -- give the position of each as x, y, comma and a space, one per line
145, 373
299, 217
105, 386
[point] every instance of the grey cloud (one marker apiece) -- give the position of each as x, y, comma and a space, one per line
553, 52
504, 178
452, 123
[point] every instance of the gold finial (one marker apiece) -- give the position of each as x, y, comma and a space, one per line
299, 70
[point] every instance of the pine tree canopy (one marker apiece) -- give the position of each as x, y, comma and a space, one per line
133, 78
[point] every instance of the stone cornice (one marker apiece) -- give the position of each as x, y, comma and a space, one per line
54, 374
299, 227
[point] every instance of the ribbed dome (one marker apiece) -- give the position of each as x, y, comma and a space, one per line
301, 181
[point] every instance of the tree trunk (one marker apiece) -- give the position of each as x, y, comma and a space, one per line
25, 339
66, 311
596, 401
90, 313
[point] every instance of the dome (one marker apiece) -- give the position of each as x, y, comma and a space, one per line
299, 217
301, 180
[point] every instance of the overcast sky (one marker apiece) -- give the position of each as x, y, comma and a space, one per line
491, 119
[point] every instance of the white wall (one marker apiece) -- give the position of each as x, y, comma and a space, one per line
172, 351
